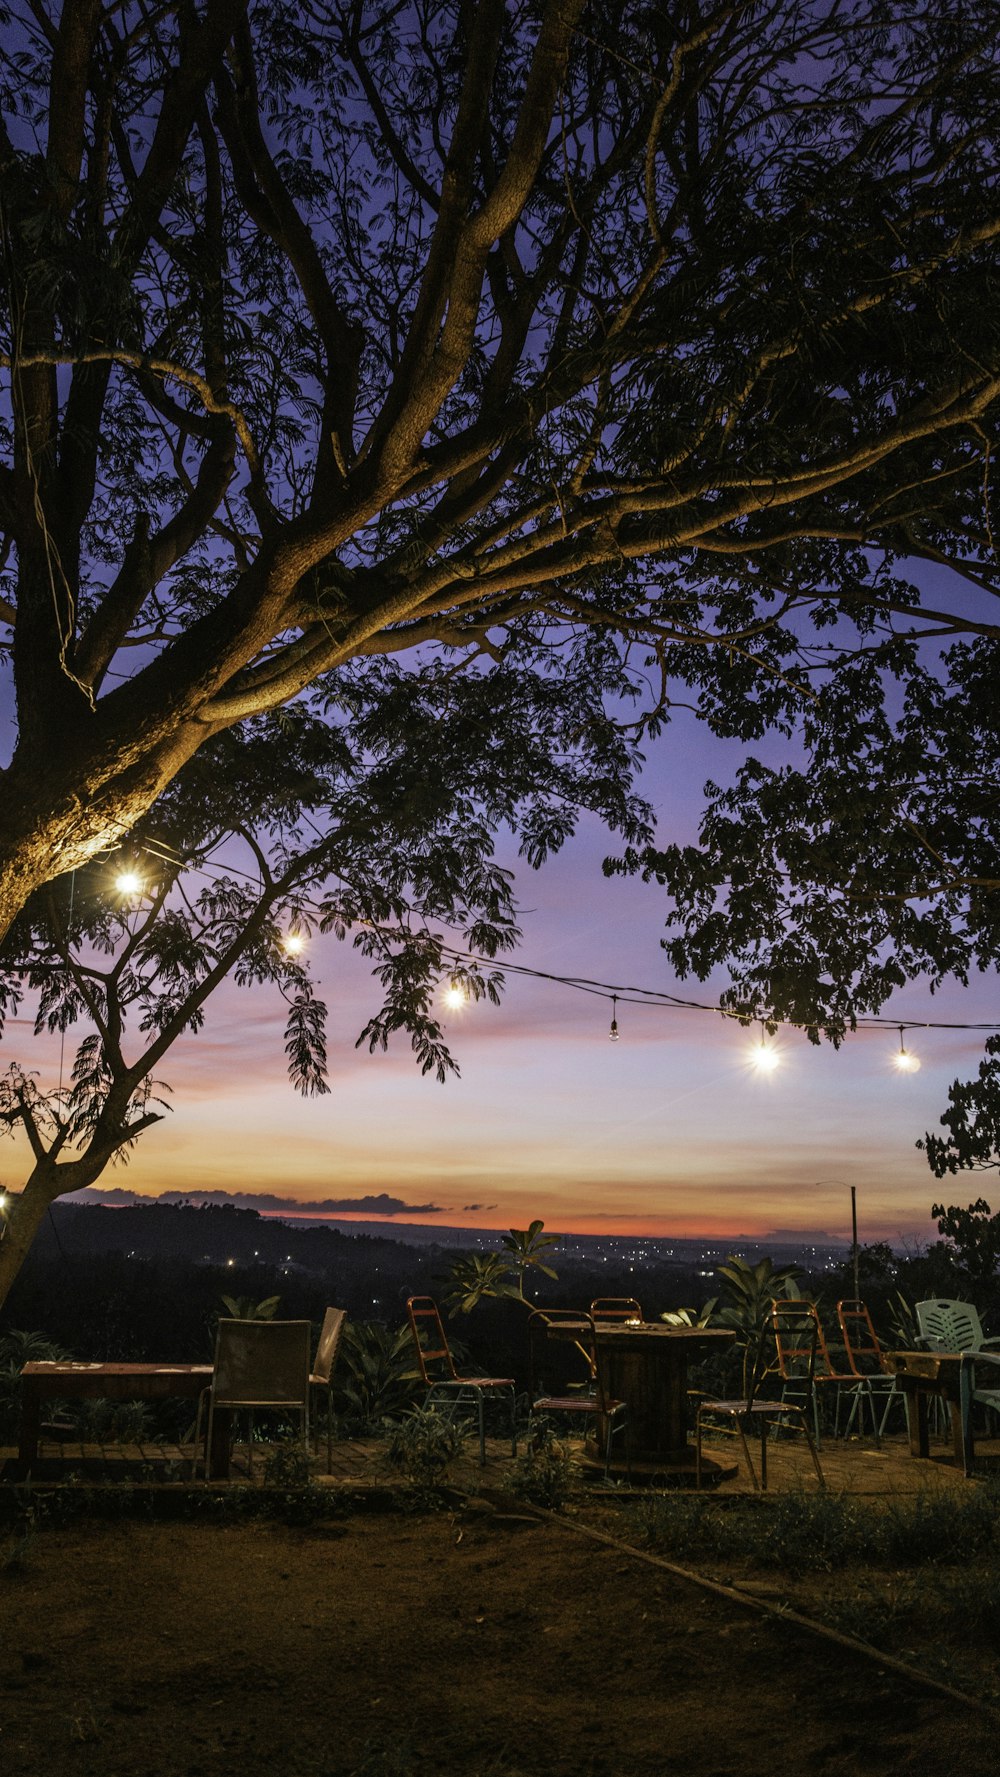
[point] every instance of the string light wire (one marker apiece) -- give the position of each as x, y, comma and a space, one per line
625, 993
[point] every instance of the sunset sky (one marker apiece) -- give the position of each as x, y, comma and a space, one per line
667, 1131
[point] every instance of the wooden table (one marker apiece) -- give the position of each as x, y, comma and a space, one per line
645, 1365
116, 1382
927, 1375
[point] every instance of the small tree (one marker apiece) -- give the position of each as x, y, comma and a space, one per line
500, 1276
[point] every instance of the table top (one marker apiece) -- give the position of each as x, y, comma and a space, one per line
645, 1331
48, 1367
920, 1363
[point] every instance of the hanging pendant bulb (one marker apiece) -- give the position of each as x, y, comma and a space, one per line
903, 1061
764, 1057
613, 1032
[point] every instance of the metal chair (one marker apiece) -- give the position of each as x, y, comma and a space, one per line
800, 1346
752, 1410
258, 1363
864, 1355
615, 1308
433, 1349
322, 1370
555, 1331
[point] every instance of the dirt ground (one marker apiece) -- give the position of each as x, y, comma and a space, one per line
453, 1645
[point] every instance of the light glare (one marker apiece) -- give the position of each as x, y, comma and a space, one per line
764, 1058
905, 1063
454, 997
129, 882
293, 944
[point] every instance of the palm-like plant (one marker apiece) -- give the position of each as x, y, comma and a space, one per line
500, 1275
377, 1376
747, 1294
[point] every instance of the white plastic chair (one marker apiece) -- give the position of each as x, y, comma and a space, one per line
946, 1325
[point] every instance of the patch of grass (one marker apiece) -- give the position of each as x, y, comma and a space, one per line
811, 1532
875, 1612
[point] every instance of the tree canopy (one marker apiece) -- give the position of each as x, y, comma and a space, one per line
636, 346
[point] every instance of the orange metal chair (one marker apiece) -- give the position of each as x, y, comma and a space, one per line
555, 1332
442, 1380
615, 1308
864, 1354
751, 1410
800, 1345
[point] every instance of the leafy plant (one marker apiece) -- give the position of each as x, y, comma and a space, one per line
691, 1317
545, 1475
18, 1348
747, 1294
376, 1377
500, 1275
245, 1308
422, 1446
904, 1331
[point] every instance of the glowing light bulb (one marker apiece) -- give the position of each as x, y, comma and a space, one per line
128, 882
454, 997
764, 1057
293, 943
4, 1200
903, 1061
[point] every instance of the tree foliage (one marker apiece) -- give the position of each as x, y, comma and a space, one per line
379, 830
628, 344
972, 1236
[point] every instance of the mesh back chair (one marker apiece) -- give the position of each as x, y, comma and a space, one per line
800, 1346
763, 1413
561, 1340
322, 1370
442, 1380
864, 1355
615, 1308
258, 1363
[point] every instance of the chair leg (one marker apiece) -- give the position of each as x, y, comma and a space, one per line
813, 1451
329, 1431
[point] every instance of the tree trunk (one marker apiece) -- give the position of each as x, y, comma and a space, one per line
20, 1223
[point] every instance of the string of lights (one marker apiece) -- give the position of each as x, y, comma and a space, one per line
765, 1054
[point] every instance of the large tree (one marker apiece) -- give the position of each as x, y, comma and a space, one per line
594, 340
